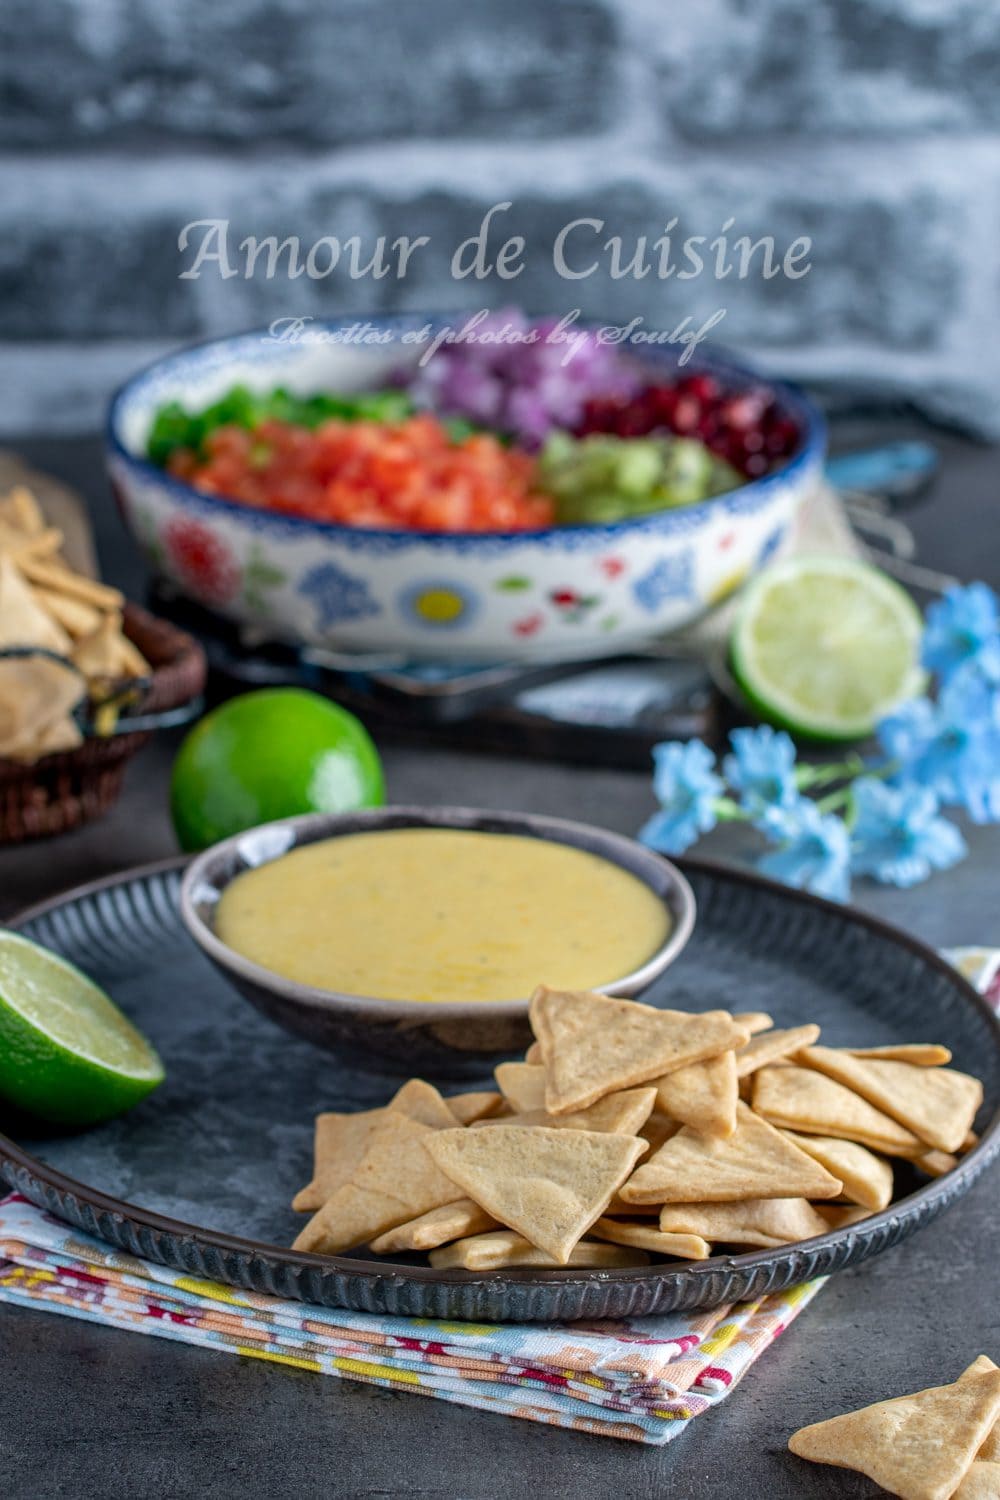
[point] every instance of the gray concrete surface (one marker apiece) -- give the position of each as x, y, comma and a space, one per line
95, 1414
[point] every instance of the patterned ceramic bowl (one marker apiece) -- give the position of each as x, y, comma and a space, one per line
562, 593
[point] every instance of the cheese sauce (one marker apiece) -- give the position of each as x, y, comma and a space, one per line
442, 914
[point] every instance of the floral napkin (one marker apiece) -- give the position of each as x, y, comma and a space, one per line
639, 1378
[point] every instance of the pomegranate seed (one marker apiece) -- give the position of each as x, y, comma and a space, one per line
742, 411
686, 414
746, 427
701, 387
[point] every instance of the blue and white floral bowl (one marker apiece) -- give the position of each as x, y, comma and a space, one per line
563, 593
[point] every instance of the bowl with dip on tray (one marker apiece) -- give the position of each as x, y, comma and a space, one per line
415, 936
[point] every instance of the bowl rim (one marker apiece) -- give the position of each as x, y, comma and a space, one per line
604, 843
808, 452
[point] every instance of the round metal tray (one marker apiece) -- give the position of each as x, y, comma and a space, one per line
199, 1175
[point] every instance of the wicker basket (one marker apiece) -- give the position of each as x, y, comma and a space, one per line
61, 792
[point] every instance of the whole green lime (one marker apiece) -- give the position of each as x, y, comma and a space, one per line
270, 754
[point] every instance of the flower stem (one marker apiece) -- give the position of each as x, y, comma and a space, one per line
852, 767
834, 800
729, 811
816, 776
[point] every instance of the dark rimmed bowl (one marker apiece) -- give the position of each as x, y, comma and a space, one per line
442, 1039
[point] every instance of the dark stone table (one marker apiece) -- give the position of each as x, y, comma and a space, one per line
94, 1414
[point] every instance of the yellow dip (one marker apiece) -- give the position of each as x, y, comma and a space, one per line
441, 914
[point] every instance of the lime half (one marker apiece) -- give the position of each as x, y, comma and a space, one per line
67, 1053
826, 646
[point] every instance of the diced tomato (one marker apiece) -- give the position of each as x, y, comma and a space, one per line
406, 475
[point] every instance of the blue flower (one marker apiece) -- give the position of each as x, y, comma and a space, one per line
970, 708
952, 748
814, 851
972, 693
687, 789
906, 733
932, 748
898, 836
958, 626
762, 768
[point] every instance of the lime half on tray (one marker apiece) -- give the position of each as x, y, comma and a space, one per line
67, 1053
826, 646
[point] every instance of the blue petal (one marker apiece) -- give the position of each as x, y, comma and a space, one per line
669, 833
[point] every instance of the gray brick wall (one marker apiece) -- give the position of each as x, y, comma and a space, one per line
870, 126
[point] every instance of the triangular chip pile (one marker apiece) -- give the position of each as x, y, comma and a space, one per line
629, 1132
47, 607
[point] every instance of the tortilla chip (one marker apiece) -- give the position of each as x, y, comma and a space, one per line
477, 1105
659, 1129
131, 662
396, 1180
867, 1178
522, 1085
982, 1482
936, 1163
648, 1237
423, 1102
756, 1162
438, 1227
105, 653
703, 1096
921, 1054
75, 618
534, 1054
753, 1021
19, 545
36, 697
342, 1140
62, 580
761, 1050
23, 621
21, 512
55, 738
618, 1114
764, 1222
937, 1104
595, 1045
340, 1143
990, 1451
618, 1210
491, 1252
839, 1216
799, 1098
918, 1447
549, 1185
